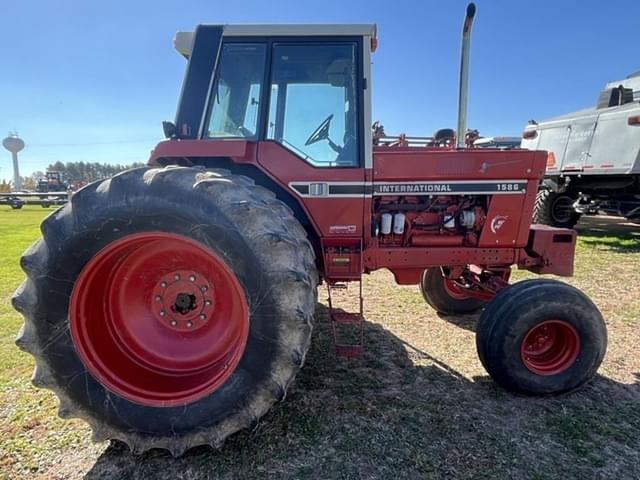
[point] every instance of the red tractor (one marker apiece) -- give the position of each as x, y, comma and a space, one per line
171, 306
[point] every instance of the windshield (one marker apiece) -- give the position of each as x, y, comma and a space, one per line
233, 107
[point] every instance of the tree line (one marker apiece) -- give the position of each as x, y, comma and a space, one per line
72, 172
85, 171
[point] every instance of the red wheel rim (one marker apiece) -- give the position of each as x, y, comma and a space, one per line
159, 319
551, 347
453, 290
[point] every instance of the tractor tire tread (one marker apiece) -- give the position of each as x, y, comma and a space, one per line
273, 235
514, 310
542, 210
434, 293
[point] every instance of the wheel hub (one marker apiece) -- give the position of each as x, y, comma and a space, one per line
454, 290
183, 300
550, 347
159, 319
562, 209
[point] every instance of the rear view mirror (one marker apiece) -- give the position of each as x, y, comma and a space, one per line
169, 129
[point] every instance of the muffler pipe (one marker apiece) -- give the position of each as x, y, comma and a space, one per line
464, 75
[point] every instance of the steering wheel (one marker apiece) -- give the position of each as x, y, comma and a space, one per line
320, 133
241, 129
244, 131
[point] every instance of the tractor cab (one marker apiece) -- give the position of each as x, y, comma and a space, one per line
289, 106
304, 87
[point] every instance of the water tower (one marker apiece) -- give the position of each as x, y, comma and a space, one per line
14, 144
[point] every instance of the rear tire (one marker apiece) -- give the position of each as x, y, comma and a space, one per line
555, 209
234, 233
541, 337
444, 296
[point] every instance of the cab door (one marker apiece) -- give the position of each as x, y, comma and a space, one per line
313, 130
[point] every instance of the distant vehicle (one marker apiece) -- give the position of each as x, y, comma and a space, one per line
53, 182
13, 201
594, 158
51, 190
498, 142
17, 200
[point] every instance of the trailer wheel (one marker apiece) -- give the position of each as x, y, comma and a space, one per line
555, 209
16, 205
191, 311
444, 296
540, 337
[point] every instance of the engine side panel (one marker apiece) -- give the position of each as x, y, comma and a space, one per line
473, 198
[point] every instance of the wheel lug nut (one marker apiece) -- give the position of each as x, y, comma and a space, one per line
173, 323
202, 316
192, 278
176, 276
163, 284
204, 288
158, 298
207, 302
189, 324
162, 313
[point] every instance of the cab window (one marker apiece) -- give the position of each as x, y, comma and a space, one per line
235, 97
313, 102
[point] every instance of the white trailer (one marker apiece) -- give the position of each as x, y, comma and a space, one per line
594, 157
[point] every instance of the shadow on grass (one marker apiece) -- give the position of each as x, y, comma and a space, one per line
468, 322
401, 412
611, 233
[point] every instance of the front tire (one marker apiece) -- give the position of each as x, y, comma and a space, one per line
444, 296
541, 337
210, 287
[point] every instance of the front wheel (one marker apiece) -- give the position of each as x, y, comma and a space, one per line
540, 337
445, 296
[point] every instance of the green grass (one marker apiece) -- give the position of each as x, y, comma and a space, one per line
29, 427
17, 232
417, 405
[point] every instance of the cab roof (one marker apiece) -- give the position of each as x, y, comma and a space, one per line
183, 41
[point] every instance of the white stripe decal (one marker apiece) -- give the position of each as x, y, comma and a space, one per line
453, 187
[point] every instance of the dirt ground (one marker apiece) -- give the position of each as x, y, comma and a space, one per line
418, 404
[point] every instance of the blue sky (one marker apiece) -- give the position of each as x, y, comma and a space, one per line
87, 80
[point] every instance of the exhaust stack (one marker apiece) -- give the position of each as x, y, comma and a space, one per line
464, 75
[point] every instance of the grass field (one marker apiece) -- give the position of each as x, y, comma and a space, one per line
417, 405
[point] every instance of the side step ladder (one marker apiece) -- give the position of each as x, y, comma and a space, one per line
347, 327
